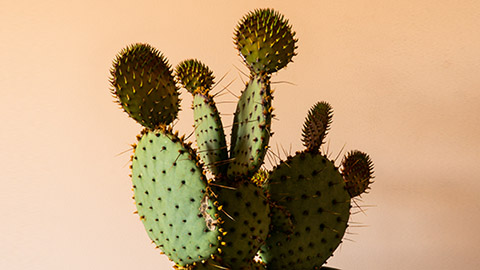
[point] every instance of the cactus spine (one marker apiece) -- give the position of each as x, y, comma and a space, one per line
293, 216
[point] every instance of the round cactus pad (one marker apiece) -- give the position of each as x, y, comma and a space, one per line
193, 74
265, 40
172, 198
143, 83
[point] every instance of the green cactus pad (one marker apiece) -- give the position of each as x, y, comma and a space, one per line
316, 126
357, 170
281, 219
143, 83
173, 199
251, 129
209, 134
265, 40
245, 213
197, 78
310, 187
194, 75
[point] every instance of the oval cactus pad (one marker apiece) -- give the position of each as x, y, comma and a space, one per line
172, 198
251, 128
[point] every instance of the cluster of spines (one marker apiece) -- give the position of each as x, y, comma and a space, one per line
260, 178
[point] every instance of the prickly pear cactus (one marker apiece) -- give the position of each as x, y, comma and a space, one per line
245, 217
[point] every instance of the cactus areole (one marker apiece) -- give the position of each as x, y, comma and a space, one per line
293, 216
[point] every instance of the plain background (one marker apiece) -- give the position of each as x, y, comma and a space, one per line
403, 78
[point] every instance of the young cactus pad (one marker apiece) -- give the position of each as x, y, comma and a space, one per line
357, 170
194, 76
316, 126
143, 83
265, 40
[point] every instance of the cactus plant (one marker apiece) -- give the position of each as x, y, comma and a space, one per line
245, 217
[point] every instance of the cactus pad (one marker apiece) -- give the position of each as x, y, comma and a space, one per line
281, 219
251, 129
357, 170
309, 186
143, 83
316, 125
210, 134
173, 199
245, 213
265, 40
193, 75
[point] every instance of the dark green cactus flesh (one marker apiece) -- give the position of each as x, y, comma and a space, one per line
316, 125
245, 213
265, 40
357, 170
143, 83
245, 217
209, 134
312, 190
197, 78
172, 198
251, 129
281, 219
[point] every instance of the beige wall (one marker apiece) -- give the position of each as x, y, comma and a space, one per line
402, 76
